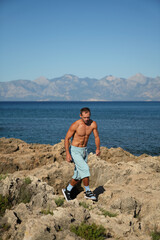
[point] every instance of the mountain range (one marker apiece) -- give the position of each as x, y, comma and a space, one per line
72, 88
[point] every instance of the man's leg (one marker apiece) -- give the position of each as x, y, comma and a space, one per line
72, 183
88, 194
82, 169
85, 181
67, 191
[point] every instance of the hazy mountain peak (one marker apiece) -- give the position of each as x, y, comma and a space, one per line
42, 80
138, 78
110, 78
71, 87
69, 76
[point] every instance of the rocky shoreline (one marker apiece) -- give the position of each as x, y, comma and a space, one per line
31, 179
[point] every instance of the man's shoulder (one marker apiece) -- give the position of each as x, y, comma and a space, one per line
75, 124
94, 124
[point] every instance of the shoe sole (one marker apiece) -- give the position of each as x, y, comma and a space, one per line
63, 191
90, 198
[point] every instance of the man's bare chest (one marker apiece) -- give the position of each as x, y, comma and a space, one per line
83, 130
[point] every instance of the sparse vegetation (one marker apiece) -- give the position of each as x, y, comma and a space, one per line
155, 235
4, 227
89, 232
27, 180
24, 193
3, 176
24, 196
83, 204
59, 201
107, 213
47, 211
4, 204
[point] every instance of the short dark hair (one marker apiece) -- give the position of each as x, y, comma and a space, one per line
85, 109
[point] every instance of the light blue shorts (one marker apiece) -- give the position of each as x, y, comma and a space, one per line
80, 157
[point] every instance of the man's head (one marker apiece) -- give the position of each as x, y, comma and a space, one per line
85, 114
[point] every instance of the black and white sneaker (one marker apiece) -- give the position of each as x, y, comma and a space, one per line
90, 195
67, 194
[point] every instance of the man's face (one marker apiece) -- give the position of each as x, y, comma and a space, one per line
85, 116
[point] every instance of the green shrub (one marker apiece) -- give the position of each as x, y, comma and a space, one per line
155, 235
4, 204
24, 194
59, 201
107, 213
46, 211
4, 227
27, 180
3, 176
89, 232
85, 205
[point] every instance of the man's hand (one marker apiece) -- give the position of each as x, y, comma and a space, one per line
68, 157
97, 152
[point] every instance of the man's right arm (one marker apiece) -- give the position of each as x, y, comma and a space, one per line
69, 134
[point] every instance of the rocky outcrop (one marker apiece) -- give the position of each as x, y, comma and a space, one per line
17, 155
32, 176
115, 155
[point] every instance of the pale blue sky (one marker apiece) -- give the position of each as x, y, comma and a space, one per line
87, 38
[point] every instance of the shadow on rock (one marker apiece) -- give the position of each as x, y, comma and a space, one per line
76, 190
99, 190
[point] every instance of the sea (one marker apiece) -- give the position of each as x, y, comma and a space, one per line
133, 126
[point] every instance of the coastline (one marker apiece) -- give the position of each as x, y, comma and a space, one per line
133, 126
16, 154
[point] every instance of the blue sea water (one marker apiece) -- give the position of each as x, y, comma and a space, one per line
133, 126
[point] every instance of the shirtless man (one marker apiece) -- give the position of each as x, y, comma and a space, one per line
80, 132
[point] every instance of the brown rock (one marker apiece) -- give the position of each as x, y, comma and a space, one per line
17, 155
115, 155
124, 184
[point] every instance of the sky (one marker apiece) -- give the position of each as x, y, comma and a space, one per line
86, 38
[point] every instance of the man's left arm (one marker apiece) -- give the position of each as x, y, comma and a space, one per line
97, 139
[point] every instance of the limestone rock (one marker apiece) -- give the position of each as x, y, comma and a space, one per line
115, 155
17, 155
32, 177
